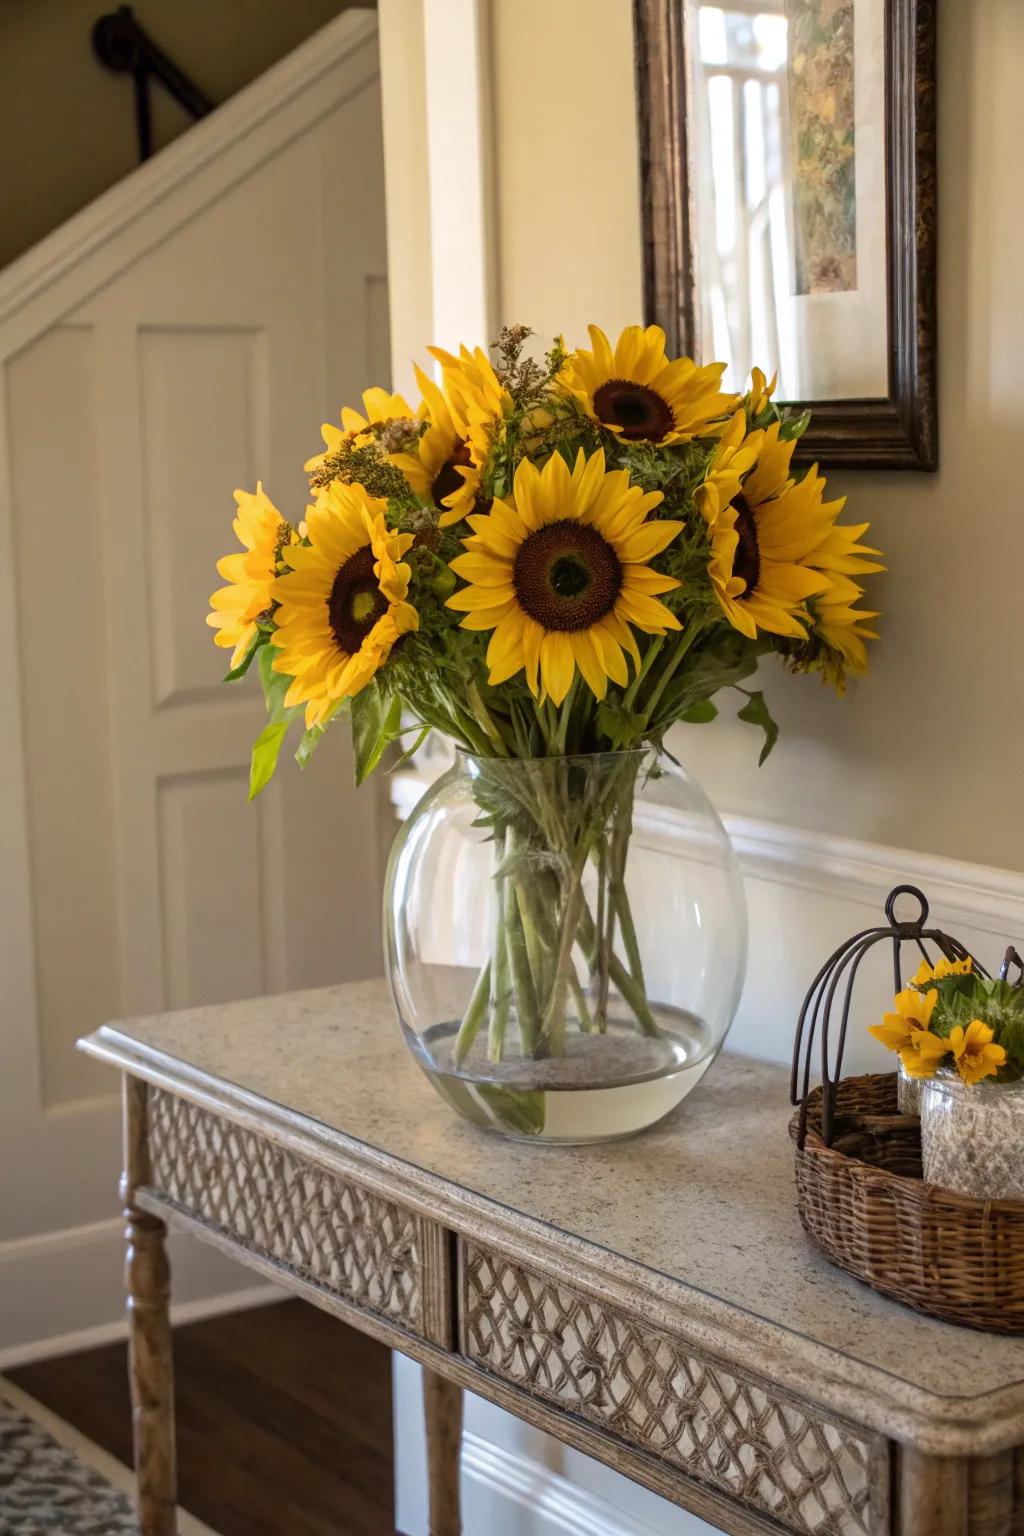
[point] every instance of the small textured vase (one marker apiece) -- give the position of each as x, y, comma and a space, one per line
972, 1136
566, 941
908, 1091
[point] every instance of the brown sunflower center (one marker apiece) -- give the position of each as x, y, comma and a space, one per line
747, 564
356, 601
448, 480
566, 576
637, 411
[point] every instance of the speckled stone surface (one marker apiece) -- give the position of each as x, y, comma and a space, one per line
705, 1200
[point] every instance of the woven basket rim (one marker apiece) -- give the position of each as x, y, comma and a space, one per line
870, 1173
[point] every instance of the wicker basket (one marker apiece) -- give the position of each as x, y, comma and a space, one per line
864, 1202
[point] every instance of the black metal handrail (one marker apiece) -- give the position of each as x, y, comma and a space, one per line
122, 45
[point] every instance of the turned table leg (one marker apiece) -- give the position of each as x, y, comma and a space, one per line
147, 1276
933, 1497
442, 1407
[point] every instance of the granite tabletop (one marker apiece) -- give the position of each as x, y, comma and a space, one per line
704, 1201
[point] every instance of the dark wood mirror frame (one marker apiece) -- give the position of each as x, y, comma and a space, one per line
896, 432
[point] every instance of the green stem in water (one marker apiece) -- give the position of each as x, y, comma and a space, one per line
553, 1026
600, 960
473, 1017
587, 1024
499, 979
633, 994
522, 978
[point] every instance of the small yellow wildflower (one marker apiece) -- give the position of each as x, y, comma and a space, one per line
938, 972
975, 1055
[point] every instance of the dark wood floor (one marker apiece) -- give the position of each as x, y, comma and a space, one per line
284, 1420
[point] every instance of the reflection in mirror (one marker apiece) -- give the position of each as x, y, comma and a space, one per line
787, 145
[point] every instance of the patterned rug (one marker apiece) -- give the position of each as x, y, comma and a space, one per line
55, 1482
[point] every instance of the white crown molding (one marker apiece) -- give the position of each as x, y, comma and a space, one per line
839, 868
284, 100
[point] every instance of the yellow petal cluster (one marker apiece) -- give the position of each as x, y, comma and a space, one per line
974, 1052
379, 405
463, 414
780, 561
263, 534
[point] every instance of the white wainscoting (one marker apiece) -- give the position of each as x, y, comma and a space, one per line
806, 893
91, 1313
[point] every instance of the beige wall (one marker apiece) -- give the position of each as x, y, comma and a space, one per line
68, 124
927, 752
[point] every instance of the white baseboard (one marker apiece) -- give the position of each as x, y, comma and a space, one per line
517, 1481
64, 1291
520, 1495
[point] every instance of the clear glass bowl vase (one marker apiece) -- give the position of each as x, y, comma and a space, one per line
566, 941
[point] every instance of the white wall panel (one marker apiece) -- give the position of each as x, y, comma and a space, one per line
203, 403
59, 575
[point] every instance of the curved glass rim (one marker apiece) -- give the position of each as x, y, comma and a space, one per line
619, 755
947, 1080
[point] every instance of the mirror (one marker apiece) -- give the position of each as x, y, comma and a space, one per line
788, 180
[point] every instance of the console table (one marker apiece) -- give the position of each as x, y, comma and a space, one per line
652, 1302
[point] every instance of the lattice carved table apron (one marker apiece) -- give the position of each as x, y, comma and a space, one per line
652, 1303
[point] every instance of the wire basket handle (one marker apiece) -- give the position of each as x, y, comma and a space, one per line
839, 974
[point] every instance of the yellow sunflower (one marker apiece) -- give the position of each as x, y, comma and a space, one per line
463, 414
762, 541
477, 393
559, 573
343, 603
441, 470
264, 533
844, 627
641, 396
379, 407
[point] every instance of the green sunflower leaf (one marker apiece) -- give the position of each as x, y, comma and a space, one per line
266, 750
410, 752
621, 726
247, 659
701, 713
794, 426
314, 734
275, 686
376, 723
756, 712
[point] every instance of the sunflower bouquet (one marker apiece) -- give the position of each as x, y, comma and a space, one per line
544, 560
951, 1018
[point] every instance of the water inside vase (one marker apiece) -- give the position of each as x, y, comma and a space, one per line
605, 1085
